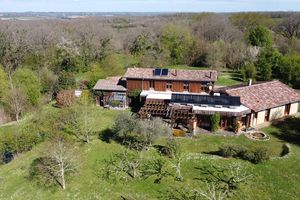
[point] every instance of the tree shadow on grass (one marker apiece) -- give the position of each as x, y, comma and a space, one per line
289, 130
107, 135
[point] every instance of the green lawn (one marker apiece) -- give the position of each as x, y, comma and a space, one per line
228, 78
275, 179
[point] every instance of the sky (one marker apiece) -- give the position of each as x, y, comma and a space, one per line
148, 5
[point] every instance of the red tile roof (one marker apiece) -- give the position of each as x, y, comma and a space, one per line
110, 84
174, 74
265, 95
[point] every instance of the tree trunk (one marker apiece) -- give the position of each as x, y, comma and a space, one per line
17, 117
87, 139
63, 181
62, 174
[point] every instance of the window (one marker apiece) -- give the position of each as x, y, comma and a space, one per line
204, 87
186, 86
152, 84
169, 85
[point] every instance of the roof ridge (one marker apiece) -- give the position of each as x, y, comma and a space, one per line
253, 85
172, 69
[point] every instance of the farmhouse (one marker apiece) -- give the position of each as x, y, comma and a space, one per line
189, 97
267, 101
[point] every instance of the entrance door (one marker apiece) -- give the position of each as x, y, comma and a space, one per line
287, 109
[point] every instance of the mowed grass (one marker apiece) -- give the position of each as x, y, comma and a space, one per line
275, 179
228, 78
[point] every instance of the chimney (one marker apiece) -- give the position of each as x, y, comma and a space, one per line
250, 82
210, 74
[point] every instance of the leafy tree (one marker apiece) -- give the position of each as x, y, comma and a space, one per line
246, 21
57, 164
3, 82
141, 44
259, 36
215, 121
20, 140
85, 98
111, 65
289, 70
28, 83
178, 41
125, 123
268, 62
48, 81
248, 72
66, 81
150, 130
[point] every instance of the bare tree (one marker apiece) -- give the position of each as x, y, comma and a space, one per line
175, 152
122, 166
81, 122
212, 193
59, 160
15, 102
290, 26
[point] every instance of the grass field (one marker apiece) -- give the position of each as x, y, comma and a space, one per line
275, 179
226, 77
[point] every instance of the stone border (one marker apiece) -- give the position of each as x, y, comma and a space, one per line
248, 135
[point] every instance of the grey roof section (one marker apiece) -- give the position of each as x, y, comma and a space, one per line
173, 74
110, 84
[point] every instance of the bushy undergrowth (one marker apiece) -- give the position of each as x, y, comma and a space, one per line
255, 155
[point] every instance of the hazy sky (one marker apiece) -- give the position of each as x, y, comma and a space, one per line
148, 5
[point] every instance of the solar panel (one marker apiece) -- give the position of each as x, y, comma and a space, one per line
164, 72
157, 72
207, 100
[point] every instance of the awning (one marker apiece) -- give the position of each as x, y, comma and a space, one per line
231, 111
156, 95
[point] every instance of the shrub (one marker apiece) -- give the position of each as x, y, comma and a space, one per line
65, 98
134, 93
231, 151
124, 124
257, 155
215, 120
137, 133
260, 155
115, 103
173, 148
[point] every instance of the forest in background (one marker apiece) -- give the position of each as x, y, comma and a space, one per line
39, 58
